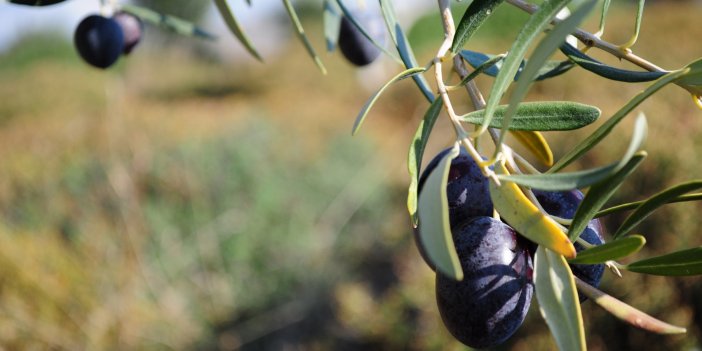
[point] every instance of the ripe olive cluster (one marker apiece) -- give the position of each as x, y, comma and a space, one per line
490, 303
100, 41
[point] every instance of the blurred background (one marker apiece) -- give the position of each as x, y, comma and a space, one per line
193, 198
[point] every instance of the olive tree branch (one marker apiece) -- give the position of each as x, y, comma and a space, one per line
592, 40
441, 55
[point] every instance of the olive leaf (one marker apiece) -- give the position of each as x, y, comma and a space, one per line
582, 179
634, 205
613, 73
549, 69
369, 103
235, 27
653, 203
625, 312
402, 44
680, 263
477, 12
534, 26
416, 153
535, 142
598, 195
541, 116
558, 299
434, 228
604, 130
303, 37
612, 250
543, 50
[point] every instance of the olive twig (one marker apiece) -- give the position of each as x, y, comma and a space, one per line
591, 40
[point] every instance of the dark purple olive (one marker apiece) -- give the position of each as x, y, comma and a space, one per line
354, 45
467, 191
564, 204
132, 29
99, 40
492, 300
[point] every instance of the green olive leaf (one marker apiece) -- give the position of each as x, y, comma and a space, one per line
581, 179
612, 73
534, 26
679, 263
634, 205
653, 203
416, 153
558, 299
612, 250
549, 69
303, 37
604, 130
477, 12
625, 312
235, 27
406, 54
542, 52
369, 103
434, 228
598, 195
541, 116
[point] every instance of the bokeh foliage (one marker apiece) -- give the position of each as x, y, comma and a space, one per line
168, 205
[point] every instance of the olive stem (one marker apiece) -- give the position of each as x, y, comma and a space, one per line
592, 40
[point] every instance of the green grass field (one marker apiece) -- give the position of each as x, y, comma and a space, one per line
178, 202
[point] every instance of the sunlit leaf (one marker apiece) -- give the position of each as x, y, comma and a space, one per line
598, 195
542, 52
653, 203
558, 299
603, 17
332, 23
416, 153
612, 250
606, 71
680, 263
171, 23
625, 312
535, 142
434, 228
604, 130
364, 110
528, 220
541, 116
235, 27
534, 26
477, 12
